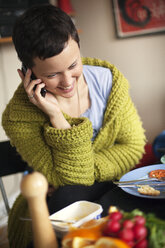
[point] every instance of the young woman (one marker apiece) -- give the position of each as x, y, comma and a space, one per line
83, 132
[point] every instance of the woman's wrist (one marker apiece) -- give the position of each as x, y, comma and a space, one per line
58, 121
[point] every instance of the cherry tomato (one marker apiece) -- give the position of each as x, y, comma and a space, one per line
126, 234
142, 244
116, 215
140, 220
128, 224
140, 232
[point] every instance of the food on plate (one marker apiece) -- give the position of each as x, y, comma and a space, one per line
148, 190
157, 173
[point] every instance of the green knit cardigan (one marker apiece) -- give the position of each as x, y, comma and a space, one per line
69, 156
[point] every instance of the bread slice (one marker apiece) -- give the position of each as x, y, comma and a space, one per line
148, 190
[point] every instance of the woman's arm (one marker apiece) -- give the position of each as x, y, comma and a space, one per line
67, 156
64, 156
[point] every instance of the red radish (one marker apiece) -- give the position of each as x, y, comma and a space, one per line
128, 224
140, 232
116, 215
142, 244
113, 226
140, 220
126, 234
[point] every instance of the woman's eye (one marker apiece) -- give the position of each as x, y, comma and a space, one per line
51, 76
73, 65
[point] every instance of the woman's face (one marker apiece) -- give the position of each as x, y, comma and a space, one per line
62, 72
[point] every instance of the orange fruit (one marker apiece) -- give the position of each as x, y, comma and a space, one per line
81, 242
95, 224
89, 235
77, 242
104, 242
89, 231
83, 234
107, 242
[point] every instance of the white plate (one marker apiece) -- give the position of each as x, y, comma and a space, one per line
140, 173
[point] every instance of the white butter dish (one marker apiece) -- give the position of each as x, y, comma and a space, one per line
78, 212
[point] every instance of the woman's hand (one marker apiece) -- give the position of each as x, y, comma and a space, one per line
48, 104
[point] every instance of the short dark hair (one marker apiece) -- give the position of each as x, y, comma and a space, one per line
42, 31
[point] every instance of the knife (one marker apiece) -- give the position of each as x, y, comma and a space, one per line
139, 185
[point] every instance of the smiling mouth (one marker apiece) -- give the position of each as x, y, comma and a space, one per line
66, 88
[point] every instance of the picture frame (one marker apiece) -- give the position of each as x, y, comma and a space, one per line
139, 17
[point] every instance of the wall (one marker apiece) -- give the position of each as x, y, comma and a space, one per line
141, 59
9, 80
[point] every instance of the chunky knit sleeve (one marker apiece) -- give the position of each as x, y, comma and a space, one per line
119, 145
123, 149
63, 156
72, 153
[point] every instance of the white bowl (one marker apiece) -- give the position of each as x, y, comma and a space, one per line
80, 212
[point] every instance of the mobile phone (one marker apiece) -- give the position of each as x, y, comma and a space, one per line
24, 69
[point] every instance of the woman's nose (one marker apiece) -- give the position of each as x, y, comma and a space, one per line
66, 79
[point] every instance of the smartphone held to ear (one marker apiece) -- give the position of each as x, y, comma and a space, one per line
33, 77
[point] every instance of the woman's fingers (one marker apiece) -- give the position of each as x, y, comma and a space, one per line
20, 74
33, 88
27, 78
38, 88
30, 84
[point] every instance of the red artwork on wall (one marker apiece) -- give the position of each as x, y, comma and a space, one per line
139, 17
